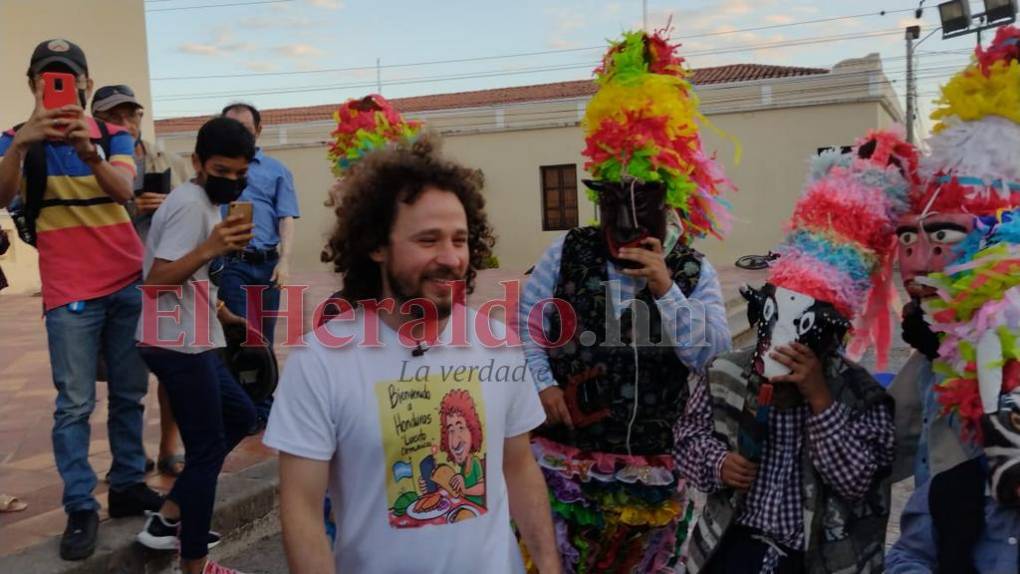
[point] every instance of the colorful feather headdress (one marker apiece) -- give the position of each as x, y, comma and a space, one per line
642, 124
841, 239
978, 310
364, 125
974, 164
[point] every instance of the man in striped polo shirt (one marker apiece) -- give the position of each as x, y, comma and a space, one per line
90, 263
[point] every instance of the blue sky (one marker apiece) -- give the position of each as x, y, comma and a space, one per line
274, 53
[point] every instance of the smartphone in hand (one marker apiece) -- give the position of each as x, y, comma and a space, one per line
59, 89
242, 208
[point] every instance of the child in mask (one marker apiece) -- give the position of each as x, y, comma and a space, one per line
178, 336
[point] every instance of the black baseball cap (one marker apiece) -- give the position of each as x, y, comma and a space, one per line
109, 97
59, 51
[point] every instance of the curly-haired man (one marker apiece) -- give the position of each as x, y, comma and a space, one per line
366, 419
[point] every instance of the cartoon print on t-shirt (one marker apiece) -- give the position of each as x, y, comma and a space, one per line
434, 439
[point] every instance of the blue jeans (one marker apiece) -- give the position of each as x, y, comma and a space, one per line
74, 343
214, 414
236, 274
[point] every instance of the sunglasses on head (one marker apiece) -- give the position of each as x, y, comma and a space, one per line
108, 91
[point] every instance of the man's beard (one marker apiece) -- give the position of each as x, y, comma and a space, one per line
404, 291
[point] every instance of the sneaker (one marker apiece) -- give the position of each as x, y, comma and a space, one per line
215, 568
134, 501
79, 539
161, 534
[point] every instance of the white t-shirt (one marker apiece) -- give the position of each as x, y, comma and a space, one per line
183, 222
378, 414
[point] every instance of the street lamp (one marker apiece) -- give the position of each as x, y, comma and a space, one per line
957, 19
955, 16
1000, 11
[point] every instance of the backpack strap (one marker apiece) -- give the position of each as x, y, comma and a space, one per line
34, 168
35, 172
104, 138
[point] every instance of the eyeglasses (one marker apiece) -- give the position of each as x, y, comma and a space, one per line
107, 91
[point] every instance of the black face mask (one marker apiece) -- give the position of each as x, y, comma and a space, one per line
627, 220
222, 190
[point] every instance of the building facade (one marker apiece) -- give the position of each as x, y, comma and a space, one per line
528, 141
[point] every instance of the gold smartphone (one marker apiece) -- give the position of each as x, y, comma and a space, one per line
242, 208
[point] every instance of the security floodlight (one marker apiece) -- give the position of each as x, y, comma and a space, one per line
1000, 11
955, 16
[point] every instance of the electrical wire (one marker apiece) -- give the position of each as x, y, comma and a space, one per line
519, 55
177, 8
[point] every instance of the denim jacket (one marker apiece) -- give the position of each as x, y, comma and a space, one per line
915, 552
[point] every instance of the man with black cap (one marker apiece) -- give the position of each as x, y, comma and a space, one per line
156, 173
90, 262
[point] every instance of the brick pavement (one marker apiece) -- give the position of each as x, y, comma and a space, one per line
27, 468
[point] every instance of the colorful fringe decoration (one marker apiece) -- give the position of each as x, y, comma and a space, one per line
974, 163
608, 519
979, 294
990, 86
841, 240
641, 124
364, 125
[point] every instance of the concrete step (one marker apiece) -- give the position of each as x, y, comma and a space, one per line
243, 502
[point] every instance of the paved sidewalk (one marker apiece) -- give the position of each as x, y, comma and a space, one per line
27, 468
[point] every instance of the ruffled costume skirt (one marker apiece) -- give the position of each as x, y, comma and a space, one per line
614, 513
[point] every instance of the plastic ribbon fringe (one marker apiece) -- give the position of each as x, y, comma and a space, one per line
972, 167
874, 327
841, 240
604, 467
364, 125
642, 123
979, 294
990, 86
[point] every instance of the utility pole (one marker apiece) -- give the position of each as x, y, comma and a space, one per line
644, 15
378, 76
913, 32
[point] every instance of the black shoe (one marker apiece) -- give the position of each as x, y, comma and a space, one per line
161, 534
79, 539
134, 501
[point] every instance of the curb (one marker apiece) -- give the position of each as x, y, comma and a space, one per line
241, 499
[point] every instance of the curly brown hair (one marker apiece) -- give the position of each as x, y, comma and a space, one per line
370, 192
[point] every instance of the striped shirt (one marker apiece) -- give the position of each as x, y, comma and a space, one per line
87, 245
705, 335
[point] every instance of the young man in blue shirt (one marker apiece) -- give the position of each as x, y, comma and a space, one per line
266, 260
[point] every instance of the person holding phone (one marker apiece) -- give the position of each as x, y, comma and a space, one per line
614, 391
212, 410
266, 259
156, 174
90, 263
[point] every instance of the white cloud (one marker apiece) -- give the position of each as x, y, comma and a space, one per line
565, 22
260, 66
295, 22
327, 4
199, 49
223, 44
612, 9
299, 51
779, 19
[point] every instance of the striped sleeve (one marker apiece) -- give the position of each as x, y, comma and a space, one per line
540, 286
698, 322
122, 151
